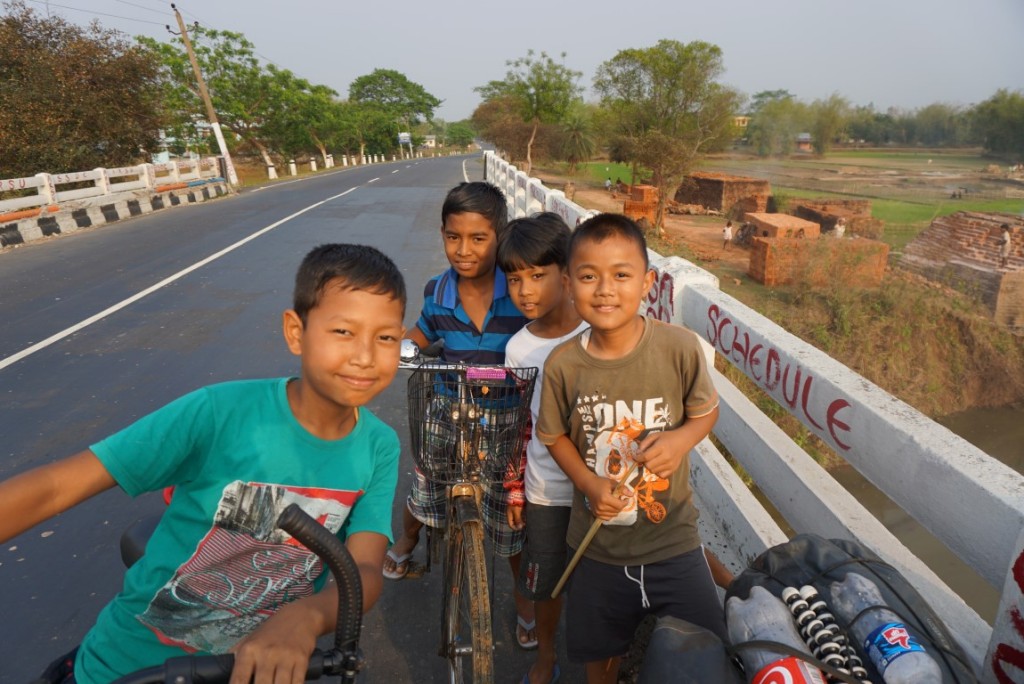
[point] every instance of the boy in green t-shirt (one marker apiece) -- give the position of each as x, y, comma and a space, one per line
217, 576
627, 400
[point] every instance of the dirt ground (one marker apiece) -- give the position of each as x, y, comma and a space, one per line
701, 234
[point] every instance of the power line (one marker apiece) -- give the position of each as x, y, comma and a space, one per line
148, 9
102, 14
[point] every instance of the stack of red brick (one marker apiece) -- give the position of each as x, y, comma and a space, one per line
643, 203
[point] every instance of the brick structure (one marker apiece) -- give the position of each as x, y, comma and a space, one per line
782, 226
785, 261
732, 195
643, 203
962, 251
828, 211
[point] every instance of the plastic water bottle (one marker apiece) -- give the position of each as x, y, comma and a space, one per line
896, 653
764, 617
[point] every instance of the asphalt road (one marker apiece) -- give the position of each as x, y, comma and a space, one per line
82, 355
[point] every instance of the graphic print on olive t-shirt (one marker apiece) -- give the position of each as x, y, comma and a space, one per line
614, 431
244, 568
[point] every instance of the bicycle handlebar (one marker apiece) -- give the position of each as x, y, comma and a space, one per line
342, 660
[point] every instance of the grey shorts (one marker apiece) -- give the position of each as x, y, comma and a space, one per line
606, 602
544, 553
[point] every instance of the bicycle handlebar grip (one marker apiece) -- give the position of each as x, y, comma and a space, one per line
329, 548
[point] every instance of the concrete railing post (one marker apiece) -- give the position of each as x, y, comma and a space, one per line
147, 174
175, 174
312, 163
271, 171
102, 182
329, 161
47, 192
292, 168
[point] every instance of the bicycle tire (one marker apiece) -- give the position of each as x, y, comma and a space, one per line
467, 640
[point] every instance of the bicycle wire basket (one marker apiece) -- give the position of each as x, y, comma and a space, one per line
468, 424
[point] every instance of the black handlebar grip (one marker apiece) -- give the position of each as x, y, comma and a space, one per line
320, 541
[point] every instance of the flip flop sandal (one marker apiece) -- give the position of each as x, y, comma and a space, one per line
401, 566
522, 637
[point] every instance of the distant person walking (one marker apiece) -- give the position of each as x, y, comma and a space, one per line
1004, 246
727, 235
840, 229
608, 184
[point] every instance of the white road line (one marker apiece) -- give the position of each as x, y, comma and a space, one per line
395, 171
14, 358
373, 180
464, 174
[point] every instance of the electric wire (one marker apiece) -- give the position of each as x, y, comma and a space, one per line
88, 11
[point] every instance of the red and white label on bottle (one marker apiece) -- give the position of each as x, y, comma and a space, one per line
789, 671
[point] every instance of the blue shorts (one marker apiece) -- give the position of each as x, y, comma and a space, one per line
608, 602
544, 552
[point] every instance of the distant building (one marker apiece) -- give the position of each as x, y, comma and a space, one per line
430, 141
804, 142
741, 121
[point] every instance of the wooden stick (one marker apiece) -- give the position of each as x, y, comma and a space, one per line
590, 535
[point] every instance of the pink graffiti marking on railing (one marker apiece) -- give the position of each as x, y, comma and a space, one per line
765, 365
661, 298
1007, 654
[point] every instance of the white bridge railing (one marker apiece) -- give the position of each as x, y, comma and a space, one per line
965, 498
45, 190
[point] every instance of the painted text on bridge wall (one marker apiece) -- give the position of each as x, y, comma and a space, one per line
787, 382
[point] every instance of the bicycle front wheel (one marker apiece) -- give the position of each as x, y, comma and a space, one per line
468, 644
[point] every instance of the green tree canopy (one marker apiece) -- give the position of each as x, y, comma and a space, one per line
999, 123
72, 98
539, 89
776, 118
394, 93
666, 107
828, 122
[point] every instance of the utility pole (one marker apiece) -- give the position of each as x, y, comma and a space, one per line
211, 115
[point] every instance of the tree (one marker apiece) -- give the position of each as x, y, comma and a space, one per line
828, 122
776, 117
72, 98
666, 107
577, 138
392, 92
999, 123
247, 97
498, 123
540, 89
460, 134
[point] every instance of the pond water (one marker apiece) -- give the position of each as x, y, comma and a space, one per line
998, 432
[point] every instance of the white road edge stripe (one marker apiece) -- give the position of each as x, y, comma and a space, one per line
14, 358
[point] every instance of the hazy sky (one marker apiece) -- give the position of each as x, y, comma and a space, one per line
900, 53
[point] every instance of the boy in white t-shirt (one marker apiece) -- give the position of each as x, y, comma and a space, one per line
533, 254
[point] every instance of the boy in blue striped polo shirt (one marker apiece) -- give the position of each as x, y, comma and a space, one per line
469, 308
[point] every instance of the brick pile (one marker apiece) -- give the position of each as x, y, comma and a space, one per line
732, 195
785, 261
642, 204
782, 226
962, 251
856, 212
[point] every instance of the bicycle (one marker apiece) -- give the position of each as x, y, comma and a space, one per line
467, 426
343, 659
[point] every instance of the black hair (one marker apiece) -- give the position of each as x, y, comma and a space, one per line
359, 267
539, 240
477, 197
603, 226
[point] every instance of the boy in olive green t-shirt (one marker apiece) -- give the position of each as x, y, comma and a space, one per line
630, 390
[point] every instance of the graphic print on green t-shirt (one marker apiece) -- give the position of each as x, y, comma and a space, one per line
245, 567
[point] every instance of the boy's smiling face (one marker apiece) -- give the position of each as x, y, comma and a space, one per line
608, 280
536, 290
470, 244
349, 344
